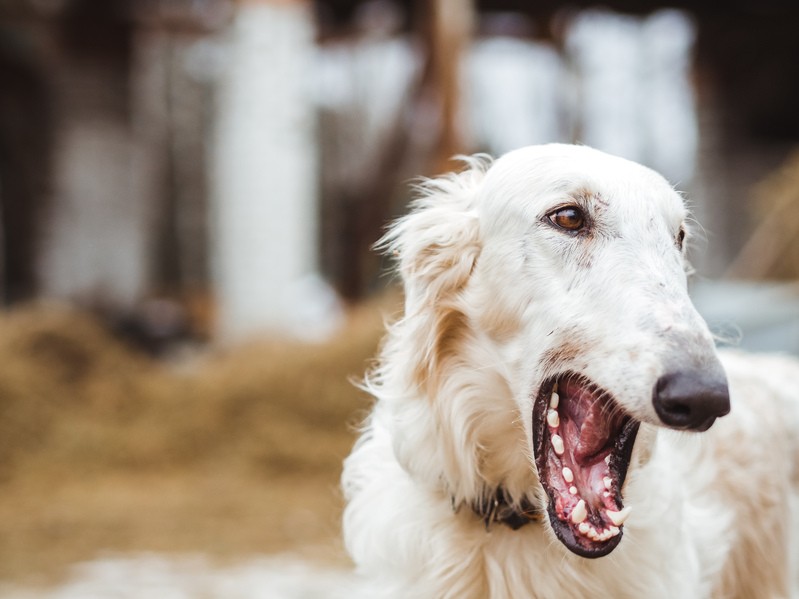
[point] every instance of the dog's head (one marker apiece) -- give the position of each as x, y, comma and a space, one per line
547, 317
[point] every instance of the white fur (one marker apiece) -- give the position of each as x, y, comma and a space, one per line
497, 299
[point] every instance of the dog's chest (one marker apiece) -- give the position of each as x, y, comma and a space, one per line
533, 565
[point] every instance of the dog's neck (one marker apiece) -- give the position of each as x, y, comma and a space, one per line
496, 508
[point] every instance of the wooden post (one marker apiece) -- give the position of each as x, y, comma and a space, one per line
449, 30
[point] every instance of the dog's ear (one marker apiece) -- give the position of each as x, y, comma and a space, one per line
437, 246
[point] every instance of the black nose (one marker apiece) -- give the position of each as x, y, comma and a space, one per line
691, 399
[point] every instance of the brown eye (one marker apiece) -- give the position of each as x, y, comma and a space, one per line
570, 218
680, 238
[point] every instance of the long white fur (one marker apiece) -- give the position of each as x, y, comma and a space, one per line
497, 299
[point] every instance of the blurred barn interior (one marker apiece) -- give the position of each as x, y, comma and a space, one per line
234, 159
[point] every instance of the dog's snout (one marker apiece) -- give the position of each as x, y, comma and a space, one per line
691, 399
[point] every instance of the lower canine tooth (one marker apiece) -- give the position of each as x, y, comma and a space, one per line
579, 513
618, 518
557, 444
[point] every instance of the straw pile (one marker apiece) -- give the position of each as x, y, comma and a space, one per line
103, 449
772, 251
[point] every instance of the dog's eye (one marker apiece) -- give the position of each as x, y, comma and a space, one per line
569, 218
680, 238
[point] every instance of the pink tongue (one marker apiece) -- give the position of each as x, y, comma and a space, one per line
594, 433
593, 427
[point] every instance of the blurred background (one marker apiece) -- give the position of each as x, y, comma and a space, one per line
189, 190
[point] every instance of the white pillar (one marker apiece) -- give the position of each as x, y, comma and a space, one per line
264, 175
636, 97
97, 240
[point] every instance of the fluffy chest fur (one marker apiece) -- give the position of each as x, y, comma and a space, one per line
711, 519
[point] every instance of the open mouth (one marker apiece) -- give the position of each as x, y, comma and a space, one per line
582, 442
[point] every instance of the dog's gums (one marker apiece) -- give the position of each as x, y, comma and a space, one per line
582, 444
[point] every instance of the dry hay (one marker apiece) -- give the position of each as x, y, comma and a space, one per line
103, 449
772, 251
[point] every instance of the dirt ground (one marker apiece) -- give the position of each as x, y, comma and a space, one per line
234, 453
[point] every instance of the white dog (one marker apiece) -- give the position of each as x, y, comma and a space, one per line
548, 398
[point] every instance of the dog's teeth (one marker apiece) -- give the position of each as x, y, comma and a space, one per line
608, 482
605, 493
579, 513
618, 518
584, 527
573, 490
557, 444
614, 531
568, 475
554, 400
553, 419
607, 459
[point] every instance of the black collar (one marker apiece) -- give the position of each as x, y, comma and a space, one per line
496, 507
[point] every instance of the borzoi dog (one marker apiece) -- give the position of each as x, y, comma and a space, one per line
552, 415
